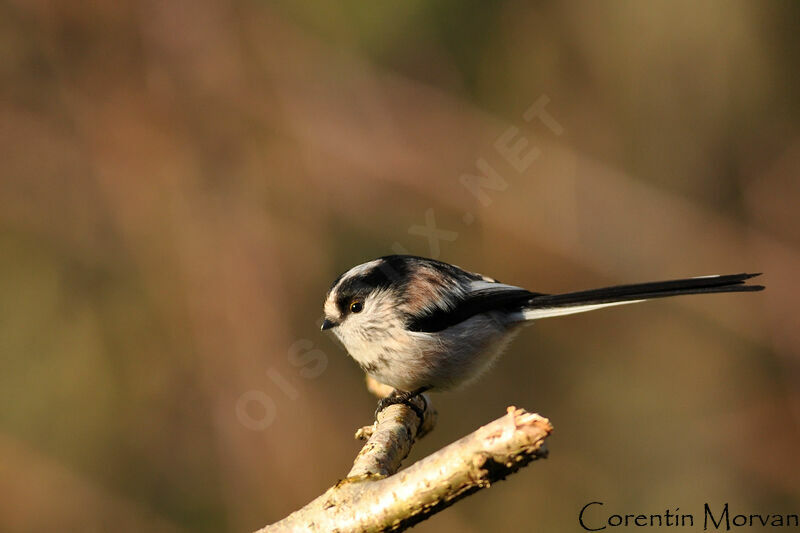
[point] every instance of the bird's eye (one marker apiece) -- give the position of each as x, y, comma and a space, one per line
357, 306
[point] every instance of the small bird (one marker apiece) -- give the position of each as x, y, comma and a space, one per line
419, 325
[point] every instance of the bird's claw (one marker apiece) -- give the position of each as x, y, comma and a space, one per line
405, 398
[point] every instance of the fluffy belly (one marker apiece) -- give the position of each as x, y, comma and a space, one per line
442, 360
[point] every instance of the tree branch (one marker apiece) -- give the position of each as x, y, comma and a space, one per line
389, 440
374, 498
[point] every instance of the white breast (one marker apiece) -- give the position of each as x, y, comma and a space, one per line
408, 360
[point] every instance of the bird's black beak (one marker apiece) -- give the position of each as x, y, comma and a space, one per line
327, 324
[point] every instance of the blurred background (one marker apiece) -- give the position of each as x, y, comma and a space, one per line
181, 181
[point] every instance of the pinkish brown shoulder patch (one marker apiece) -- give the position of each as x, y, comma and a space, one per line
426, 286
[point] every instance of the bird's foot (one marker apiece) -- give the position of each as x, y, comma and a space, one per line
405, 398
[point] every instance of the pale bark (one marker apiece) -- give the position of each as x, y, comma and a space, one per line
375, 498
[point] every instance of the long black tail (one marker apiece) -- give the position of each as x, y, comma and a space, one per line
545, 305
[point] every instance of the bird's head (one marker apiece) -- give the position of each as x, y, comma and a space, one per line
363, 300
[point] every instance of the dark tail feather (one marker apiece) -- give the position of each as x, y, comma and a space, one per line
559, 304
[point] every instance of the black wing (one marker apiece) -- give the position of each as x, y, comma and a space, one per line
500, 298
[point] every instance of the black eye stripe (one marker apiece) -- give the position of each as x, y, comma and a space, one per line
391, 272
384, 275
367, 282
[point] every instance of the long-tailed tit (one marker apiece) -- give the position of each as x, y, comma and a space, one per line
418, 324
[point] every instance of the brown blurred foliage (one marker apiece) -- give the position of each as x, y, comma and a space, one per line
182, 180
